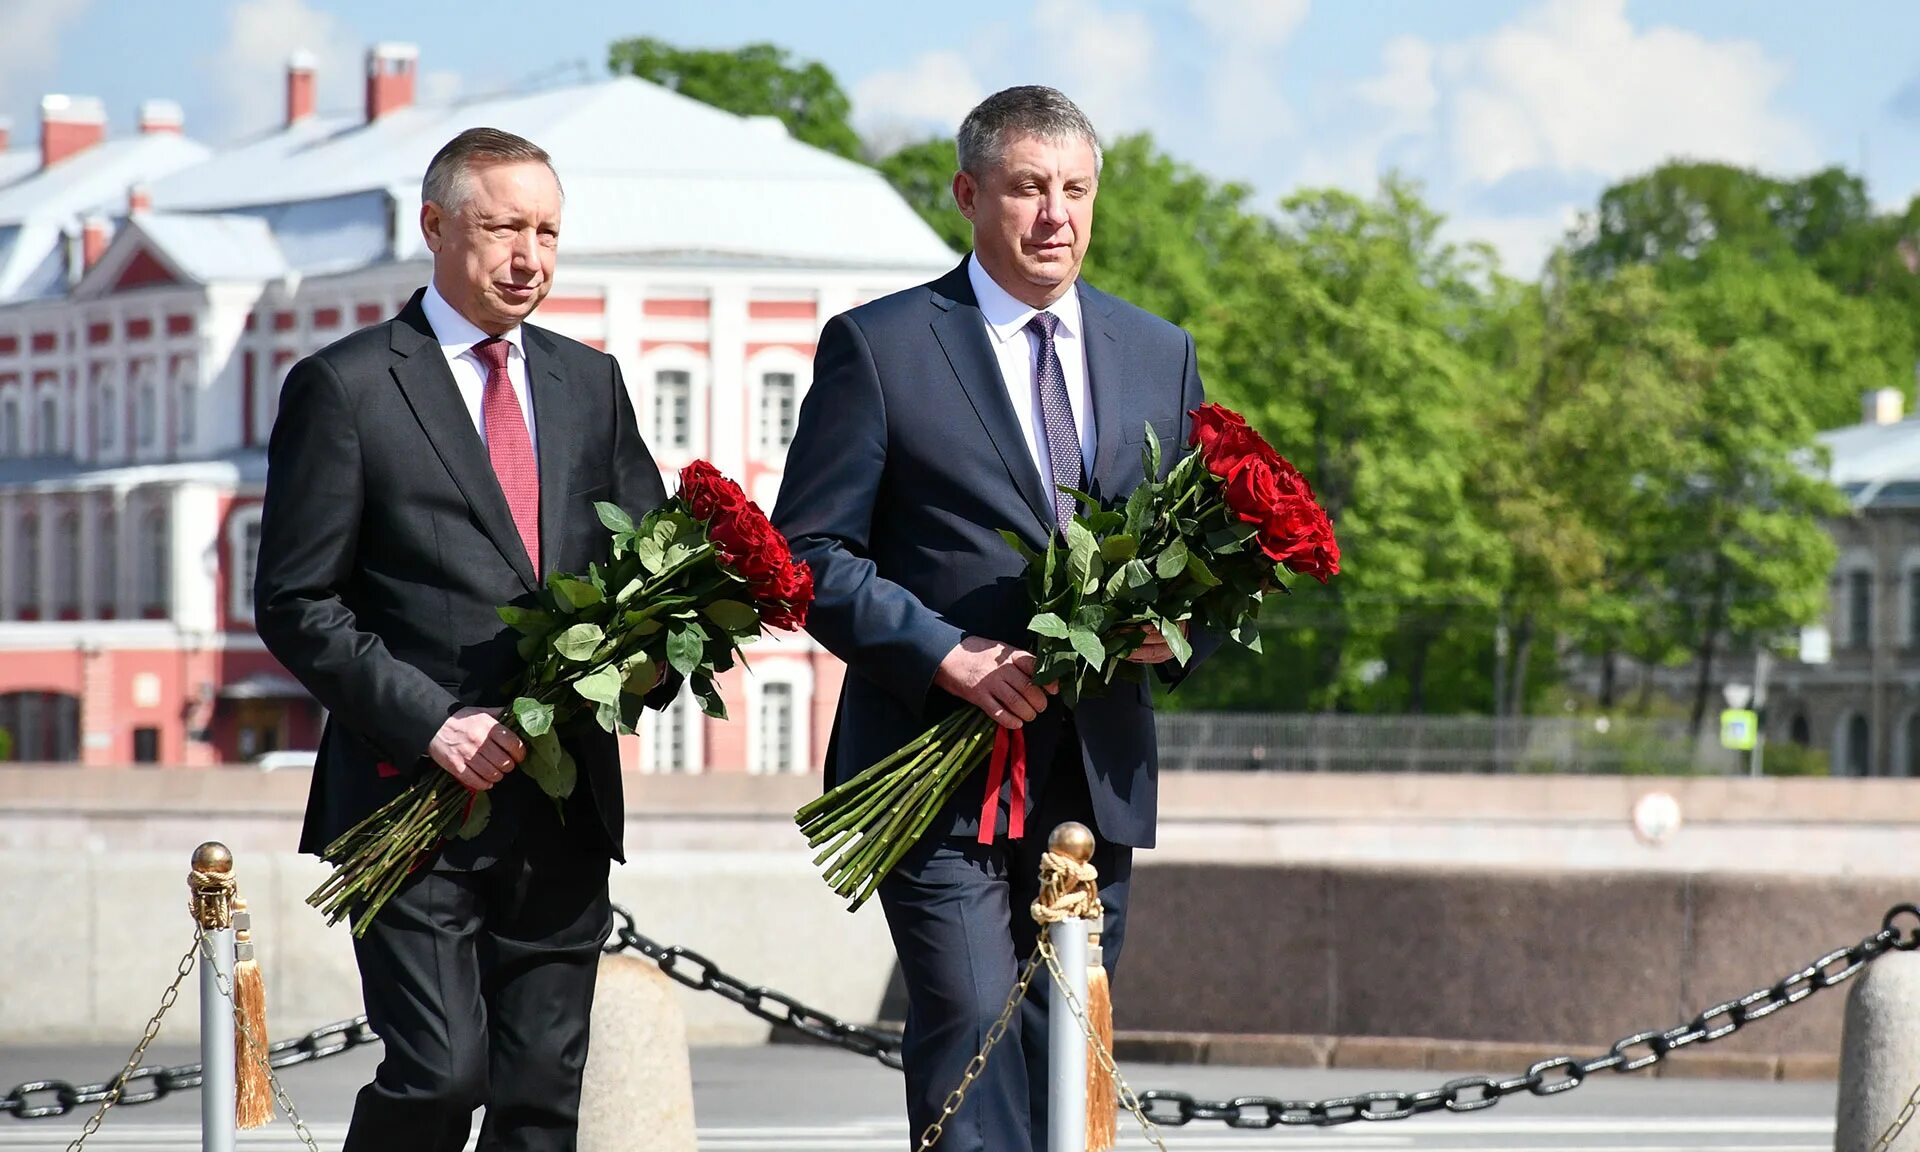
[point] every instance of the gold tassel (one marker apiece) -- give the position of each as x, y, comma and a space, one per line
1103, 1106
253, 1100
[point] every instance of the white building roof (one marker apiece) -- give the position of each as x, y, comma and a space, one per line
1877, 465
17, 164
646, 171
214, 247
36, 208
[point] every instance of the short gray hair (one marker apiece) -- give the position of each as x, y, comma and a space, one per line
1011, 113
448, 181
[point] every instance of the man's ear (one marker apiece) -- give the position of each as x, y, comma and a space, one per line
965, 193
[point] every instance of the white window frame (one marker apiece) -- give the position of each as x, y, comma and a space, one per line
145, 387
797, 677
48, 441
183, 388
685, 713
29, 568
674, 358
13, 438
1855, 561
68, 593
156, 558
774, 361
103, 392
240, 578
107, 565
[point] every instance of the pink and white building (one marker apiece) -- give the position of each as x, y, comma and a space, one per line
153, 292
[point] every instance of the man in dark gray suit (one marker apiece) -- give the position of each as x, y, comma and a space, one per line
939, 416
421, 473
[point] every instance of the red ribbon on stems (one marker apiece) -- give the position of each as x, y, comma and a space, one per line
1009, 756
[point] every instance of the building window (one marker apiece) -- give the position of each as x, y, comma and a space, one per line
27, 577
779, 409
672, 739
66, 565
673, 409
146, 406
1799, 731
776, 722
1859, 609
245, 539
1856, 750
157, 556
1912, 766
106, 566
10, 426
146, 745
48, 429
186, 400
106, 406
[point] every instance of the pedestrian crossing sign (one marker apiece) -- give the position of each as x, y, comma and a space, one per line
1739, 727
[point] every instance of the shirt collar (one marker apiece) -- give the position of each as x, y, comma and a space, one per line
1006, 316
457, 334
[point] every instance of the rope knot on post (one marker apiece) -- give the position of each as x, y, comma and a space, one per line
211, 886
1068, 889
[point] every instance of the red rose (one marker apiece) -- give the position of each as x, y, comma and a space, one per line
708, 494
746, 543
1252, 491
1210, 421
785, 605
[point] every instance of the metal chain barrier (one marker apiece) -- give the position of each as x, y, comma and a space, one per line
1548, 1077
1162, 1107
978, 1064
701, 974
254, 1044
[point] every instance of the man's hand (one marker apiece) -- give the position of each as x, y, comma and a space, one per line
476, 749
995, 678
1155, 650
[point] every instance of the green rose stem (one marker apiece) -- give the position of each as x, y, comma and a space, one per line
928, 793
948, 781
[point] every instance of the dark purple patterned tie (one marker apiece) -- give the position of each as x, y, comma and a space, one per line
1056, 412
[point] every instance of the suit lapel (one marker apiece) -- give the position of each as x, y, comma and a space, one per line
962, 333
1106, 380
422, 374
553, 427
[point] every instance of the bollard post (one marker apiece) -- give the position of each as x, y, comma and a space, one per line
1066, 1041
211, 884
1879, 1052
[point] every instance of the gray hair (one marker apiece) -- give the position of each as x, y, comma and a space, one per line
449, 182
1009, 114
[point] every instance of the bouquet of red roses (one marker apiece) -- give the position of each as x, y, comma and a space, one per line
682, 590
1201, 548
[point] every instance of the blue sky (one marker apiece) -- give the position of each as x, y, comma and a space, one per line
1512, 113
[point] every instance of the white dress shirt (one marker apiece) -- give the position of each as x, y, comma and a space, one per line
457, 336
1015, 348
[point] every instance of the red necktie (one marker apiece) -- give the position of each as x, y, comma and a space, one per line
509, 446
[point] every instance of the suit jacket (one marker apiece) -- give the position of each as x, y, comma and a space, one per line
386, 545
907, 462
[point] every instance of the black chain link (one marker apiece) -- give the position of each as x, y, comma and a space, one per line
146, 1084
697, 972
1169, 1108
1560, 1074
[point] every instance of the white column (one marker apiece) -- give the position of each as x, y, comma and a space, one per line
193, 537
126, 577
727, 418
46, 523
9, 546
89, 590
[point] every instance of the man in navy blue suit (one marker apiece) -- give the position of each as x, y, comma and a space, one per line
938, 417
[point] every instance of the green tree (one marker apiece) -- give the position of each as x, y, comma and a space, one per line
923, 175
755, 80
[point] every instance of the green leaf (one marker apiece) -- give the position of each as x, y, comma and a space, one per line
613, 516
1049, 625
478, 813
1084, 500
1247, 633
579, 642
705, 691
1018, 545
1171, 562
1119, 549
1176, 640
1201, 574
1150, 450
638, 674
1137, 575
641, 624
533, 717
737, 618
531, 648
578, 593
630, 589
1088, 646
652, 556
602, 686
550, 766
526, 621
686, 648
1080, 543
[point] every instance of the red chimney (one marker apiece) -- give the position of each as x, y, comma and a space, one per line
301, 101
69, 125
93, 241
390, 72
139, 200
161, 116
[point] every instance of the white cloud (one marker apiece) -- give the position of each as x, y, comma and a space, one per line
930, 95
440, 87
1573, 87
1104, 61
251, 63
1244, 98
30, 46
1523, 241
